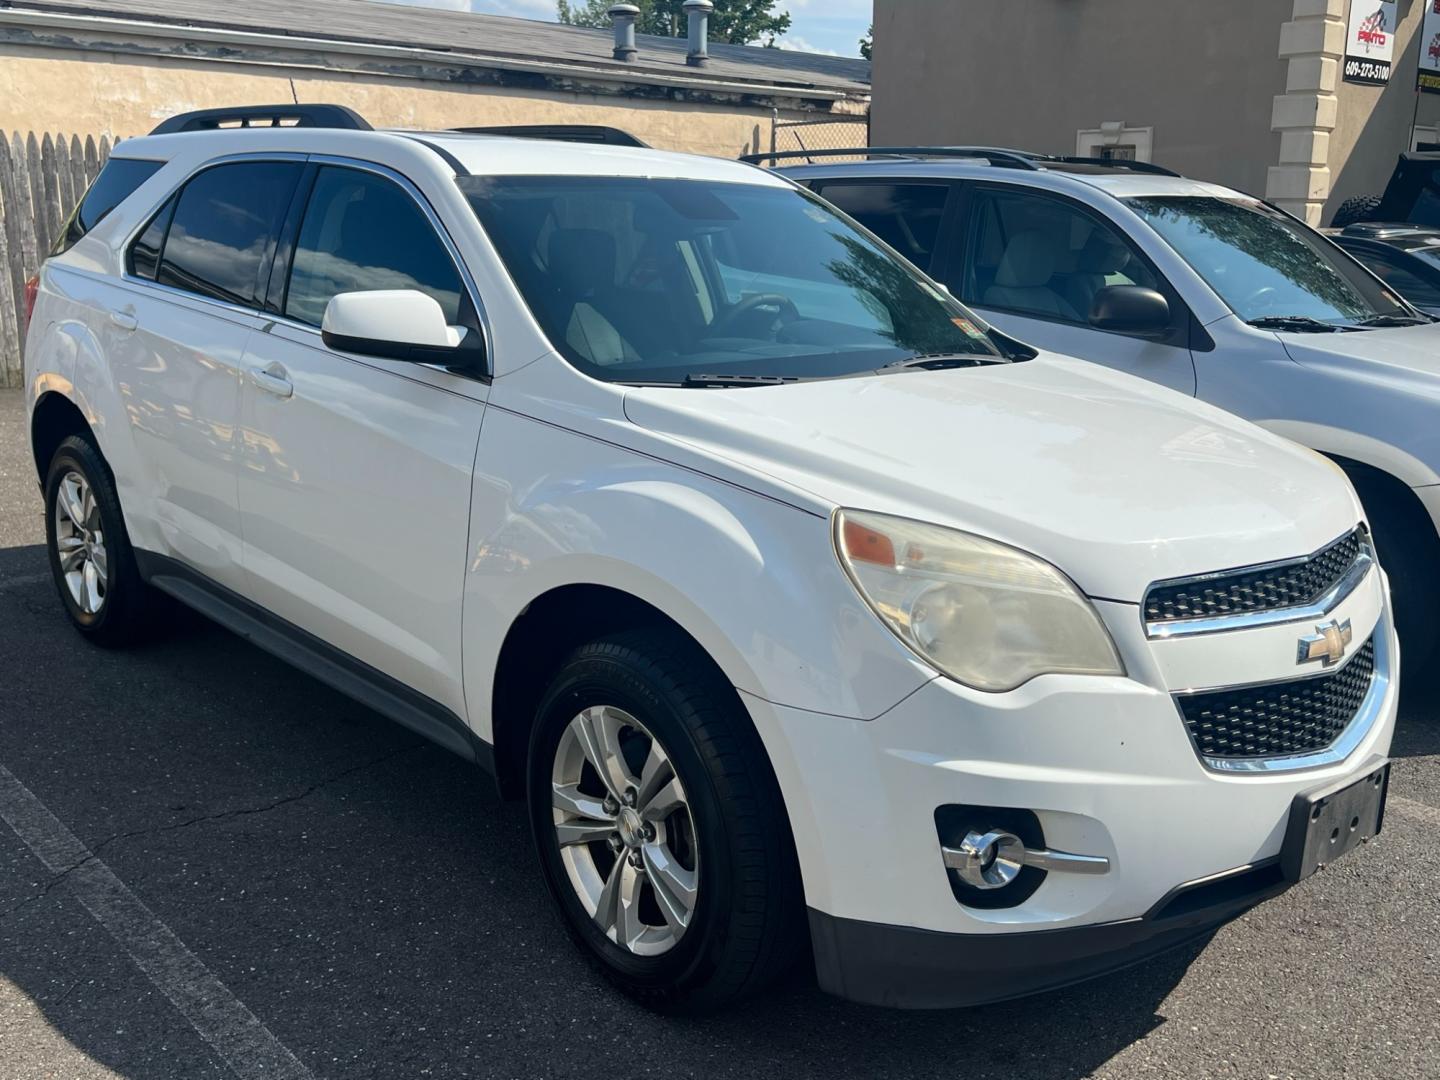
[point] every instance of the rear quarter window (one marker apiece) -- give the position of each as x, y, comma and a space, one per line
116, 183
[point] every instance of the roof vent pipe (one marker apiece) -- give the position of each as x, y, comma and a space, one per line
623, 16
699, 12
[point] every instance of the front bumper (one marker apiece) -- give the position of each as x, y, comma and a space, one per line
1107, 769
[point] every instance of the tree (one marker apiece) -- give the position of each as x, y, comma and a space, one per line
736, 22
867, 43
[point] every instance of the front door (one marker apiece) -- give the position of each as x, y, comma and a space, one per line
355, 471
1031, 264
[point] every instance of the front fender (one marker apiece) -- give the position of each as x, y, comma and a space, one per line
754, 581
1357, 446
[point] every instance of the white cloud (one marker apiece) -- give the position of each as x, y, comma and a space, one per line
796, 43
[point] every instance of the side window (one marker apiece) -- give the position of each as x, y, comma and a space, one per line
362, 232
905, 216
222, 232
1404, 281
116, 183
145, 251
1040, 256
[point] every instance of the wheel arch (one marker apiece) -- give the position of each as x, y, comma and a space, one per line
1337, 443
54, 418
552, 625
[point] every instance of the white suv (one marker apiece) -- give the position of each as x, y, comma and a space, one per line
803, 610
1198, 288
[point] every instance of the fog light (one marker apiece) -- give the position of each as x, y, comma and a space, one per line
993, 859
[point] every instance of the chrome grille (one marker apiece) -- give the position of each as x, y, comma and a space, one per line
1281, 719
1262, 588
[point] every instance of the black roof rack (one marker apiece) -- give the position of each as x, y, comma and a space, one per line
253, 116
1147, 167
1010, 159
582, 133
998, 156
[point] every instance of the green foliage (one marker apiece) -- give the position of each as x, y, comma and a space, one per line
738, 22
867, 43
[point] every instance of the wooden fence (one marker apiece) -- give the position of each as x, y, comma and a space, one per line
41, 180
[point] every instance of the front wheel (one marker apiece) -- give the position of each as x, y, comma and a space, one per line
660, 827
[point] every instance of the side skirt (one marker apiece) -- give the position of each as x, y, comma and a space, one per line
318, 659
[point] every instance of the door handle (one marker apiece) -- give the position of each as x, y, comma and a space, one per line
125, 320
273, 380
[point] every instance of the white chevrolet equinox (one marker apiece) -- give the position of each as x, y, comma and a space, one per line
808, 613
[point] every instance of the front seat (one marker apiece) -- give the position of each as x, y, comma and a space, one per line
1102, 256
1022, 281
582, 265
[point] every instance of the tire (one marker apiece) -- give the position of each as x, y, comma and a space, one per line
109, 603
1357, 209
731, 840
1409, 551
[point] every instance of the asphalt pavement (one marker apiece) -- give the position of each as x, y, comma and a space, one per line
214, 866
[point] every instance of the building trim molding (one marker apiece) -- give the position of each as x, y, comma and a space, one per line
1313, 45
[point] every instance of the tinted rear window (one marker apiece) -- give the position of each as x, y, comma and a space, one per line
116, 183
222, 235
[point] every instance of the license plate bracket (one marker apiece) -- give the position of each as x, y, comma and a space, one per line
1330, 822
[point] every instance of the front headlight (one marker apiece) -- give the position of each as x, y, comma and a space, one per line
987, 615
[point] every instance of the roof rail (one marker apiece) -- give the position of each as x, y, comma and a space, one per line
1009, 159
253, 116
1115, 163
583, 133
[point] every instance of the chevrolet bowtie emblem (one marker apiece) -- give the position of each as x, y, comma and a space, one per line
1327, 644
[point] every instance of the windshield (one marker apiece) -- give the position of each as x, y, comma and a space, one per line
675, 281
1265, 265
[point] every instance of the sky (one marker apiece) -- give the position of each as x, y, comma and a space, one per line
823, 26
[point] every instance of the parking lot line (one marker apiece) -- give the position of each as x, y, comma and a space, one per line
231, 1030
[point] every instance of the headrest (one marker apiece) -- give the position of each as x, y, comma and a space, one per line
582, 260
1103, 254
1028, 262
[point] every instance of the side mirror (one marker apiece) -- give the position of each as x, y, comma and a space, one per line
398, 324
1130, 309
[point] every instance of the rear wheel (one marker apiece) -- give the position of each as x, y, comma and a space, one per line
660, 827
90, 555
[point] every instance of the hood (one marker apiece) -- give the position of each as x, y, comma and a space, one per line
1407, 353
1116, 481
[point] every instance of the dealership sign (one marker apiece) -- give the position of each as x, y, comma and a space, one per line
1430, 48
1370, 40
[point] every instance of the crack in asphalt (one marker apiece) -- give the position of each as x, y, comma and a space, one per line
202, 819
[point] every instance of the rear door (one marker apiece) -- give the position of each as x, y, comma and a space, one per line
1031, 263
355, 471
176, 341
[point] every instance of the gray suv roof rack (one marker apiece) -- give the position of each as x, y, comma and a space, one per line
253, 116
582, 133
1011, 159
1003, 158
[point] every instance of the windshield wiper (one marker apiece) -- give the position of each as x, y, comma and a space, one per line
942, 361
1300, 324
1395, 320
705, 380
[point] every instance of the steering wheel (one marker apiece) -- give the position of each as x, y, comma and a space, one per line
788, 311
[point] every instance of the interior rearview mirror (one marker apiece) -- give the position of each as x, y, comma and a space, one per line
398, 324
1130, 309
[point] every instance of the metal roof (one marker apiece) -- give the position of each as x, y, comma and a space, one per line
362, 22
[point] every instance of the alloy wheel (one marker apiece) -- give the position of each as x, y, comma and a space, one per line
625, 831
80, 543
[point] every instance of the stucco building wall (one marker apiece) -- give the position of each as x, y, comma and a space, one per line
101, 92
1032, 73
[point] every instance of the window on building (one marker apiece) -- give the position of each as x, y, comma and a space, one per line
905, 216
1036, 255
363, 232
222, 233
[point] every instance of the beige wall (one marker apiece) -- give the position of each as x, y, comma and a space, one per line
1373, 123
1031, 73
99, 92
